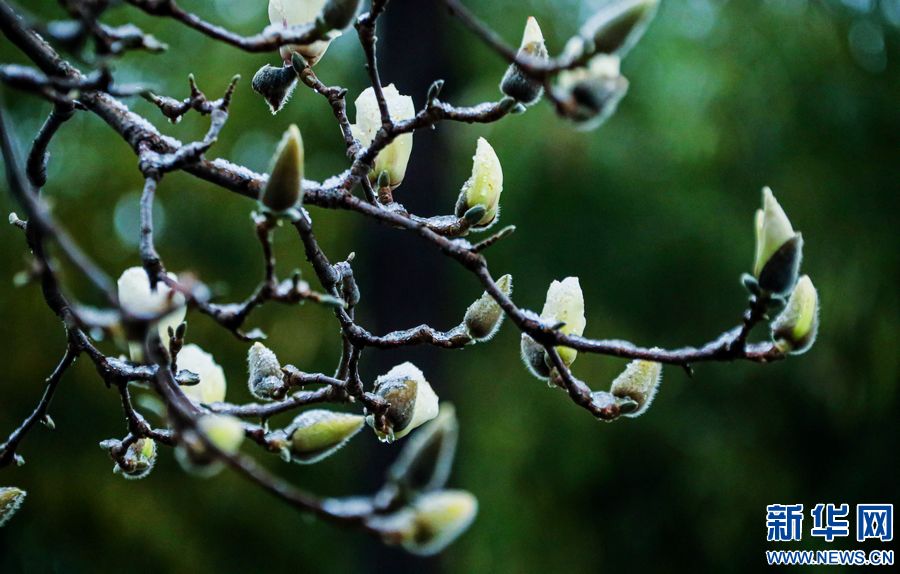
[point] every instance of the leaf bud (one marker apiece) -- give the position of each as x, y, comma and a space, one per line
275, 85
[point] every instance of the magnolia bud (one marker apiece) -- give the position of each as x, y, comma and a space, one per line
617, 27
795, 329
779, 249
638, 382
484, 187
288, 13
437, 519
224, 432
484, 316
412, 401
565, 304
591, 94
339, 14
285, 183
137, 298
425, 462
276, 85
394, 158
11, 498
138, 459
535, 357
212, 385
266, 379
319, 433
516, 84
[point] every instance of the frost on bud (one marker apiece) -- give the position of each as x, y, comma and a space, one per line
288, 13
638, 382
285, 184
319, 433
11, 498
137, 298
212, 385
590, 95
393, 159
275, 85
339, 14
412, 401
425, 462
617, 27
437, 519
484, 187
565, 304
266, 380
138, 459
516, 84
779, 249
484, 316
794, 329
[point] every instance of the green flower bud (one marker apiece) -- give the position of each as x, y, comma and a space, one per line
412, 400
212, 385
138, 459
516, 84
319, 433
617, 27
484, 187
779, 249
794, 330
266, 378
11, 498
535, 357
339, 14
425, 462
591, 95
565, 304
393, 159
285, 184
484, 316
437, 519
275, 85
638, 382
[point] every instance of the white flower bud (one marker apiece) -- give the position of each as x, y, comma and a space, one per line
437, 520
11, 498
412, 400
516, 84
779, 249
338, 14
618, 25
266, 380
638, 382
484, 186
484, 316
138, 459
319, 433
136, 297
565, 304
225, 432
591, 94
285, 184
288, 13
212, 385
394, 158
796, 327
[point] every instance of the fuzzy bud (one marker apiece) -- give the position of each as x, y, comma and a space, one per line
412, 400
795, 328
266, 380
212, 385
319, 433
483, 188
535, 357
138, 459
638, 382
288, 13
275, 85
516, 84
779, 249
424, 463
437, 519
393, 159
484, 316
617, 27
565, 304
11, 498
339, 14
591, 94
285, 185
137, 298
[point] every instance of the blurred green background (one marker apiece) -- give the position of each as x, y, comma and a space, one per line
653, 212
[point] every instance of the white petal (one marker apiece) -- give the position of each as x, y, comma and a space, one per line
213, 385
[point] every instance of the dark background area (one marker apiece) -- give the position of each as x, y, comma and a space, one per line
653, 212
